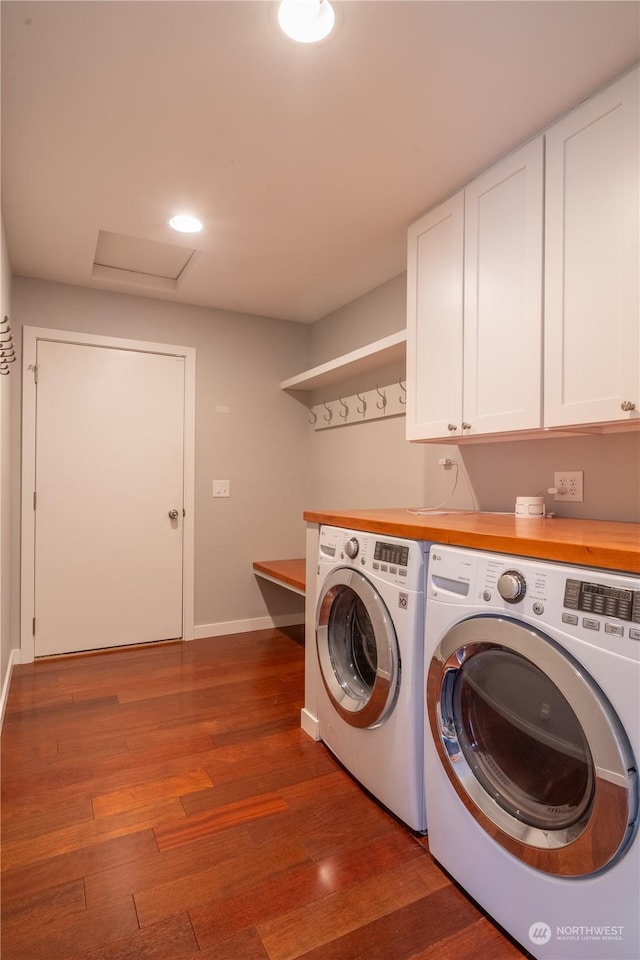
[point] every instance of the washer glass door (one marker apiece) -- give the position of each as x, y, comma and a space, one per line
357, 648
532, 746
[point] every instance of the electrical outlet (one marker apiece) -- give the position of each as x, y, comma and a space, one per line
220, 488
569, 485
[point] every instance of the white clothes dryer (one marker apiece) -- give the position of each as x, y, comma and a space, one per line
532, 747
369, 641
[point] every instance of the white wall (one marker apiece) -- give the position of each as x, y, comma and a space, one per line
260, 446
5, 487
371, 464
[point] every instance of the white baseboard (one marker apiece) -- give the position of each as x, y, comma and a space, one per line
14, 657
203, 630
309, 724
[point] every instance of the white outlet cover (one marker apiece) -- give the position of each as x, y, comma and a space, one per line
570, 486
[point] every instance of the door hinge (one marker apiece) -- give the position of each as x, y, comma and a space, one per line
34, 499
33, 626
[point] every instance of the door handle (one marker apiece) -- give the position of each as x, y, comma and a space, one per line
173, 514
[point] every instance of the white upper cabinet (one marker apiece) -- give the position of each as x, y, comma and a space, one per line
434, 322
592, 309
474, 306
503, 295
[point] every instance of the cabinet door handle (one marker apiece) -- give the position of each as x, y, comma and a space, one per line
452, 426
627, 405
465, 425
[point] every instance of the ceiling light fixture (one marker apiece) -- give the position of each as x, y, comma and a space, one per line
185, 223
306, 21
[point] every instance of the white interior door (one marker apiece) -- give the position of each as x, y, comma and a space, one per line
109, 468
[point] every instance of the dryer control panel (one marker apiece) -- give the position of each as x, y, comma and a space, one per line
600, 607
600, 598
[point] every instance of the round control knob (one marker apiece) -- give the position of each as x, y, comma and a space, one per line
351, 548
512, 586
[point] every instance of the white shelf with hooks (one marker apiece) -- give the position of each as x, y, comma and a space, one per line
378, 354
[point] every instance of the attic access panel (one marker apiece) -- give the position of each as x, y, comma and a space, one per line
137, 260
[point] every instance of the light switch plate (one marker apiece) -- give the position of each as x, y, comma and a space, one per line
220, 488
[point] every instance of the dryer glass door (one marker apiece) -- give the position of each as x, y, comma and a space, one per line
522, 740
532, 746
357, 648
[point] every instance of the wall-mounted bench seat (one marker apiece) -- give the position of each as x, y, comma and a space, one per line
290, 574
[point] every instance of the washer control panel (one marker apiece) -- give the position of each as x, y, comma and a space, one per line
395, 553
397, 561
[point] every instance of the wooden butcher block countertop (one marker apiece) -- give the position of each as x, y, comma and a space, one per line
591, 543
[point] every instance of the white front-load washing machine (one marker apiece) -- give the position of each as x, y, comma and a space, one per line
369, 640
532, 746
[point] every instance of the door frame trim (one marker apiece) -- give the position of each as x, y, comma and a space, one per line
31, 335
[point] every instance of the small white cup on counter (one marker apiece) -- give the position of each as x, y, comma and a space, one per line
530, 507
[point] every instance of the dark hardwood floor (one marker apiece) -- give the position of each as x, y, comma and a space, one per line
162, 803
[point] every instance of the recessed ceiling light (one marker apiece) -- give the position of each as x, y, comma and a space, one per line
306, 21
185, 223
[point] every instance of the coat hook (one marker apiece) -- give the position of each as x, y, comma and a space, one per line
363, 408
345, 408
313, 419
403, 395
329, 412
381, 404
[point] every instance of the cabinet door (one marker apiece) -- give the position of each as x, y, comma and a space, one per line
503, 239
592, 359
434, 322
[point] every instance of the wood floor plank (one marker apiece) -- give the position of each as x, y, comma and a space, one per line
272, 780
141, 795
245, 946
317, 924
171, 939
195, 828
72, 782
301, 886
156, 868
66, 935
89, 832
479, 939
404, 931
37, 909
41, 818
26, 880
206, 886
170, 740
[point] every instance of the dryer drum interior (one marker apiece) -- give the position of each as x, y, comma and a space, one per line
532, 746
357, 649
522, 740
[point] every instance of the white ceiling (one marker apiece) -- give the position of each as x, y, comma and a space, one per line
307, 163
